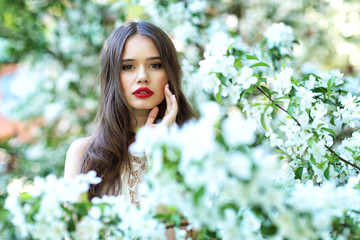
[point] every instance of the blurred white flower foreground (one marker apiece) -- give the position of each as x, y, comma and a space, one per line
57, 209
220, 184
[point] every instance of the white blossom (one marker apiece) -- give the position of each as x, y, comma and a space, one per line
282, 83
88, 229
185, 31
246, 78
240, 165
334, 75
318, 150
197, 6
237, 130
279, 35
234, 93
218, 45
311, 83
306, 98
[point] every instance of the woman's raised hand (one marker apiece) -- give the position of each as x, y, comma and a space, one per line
171, 109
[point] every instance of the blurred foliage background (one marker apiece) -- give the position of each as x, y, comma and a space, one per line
49, 95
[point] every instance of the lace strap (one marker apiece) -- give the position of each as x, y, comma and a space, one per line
139, 167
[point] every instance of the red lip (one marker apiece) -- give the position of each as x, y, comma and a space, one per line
143, 92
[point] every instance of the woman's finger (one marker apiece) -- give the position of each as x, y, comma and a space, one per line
152, 116
168, 98
174, 106
170, 117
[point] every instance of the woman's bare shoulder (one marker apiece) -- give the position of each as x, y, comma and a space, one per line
81, 144
75, 155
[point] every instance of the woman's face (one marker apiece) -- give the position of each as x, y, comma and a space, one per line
142, 74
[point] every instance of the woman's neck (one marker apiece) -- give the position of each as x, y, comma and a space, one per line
141, 117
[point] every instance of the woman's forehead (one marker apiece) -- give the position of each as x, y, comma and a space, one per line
140, 46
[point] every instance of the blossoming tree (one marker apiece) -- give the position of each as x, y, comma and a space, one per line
274, 154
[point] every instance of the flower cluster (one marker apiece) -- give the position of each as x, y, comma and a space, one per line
58, 80
184, 21
225, 189
53, 208
349, 112
219, 66
297, 115
49, 195
281, 36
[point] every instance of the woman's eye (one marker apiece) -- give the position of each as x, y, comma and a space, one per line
127, 67
156, 65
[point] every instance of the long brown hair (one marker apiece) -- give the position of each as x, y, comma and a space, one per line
108, 152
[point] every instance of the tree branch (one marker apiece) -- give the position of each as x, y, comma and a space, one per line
297, 122
332, 151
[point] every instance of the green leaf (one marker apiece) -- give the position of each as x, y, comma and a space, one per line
266, 90
175, 218
283, 97
250, 57
237, 63
163, 216
68, 211
81, 209
264, 80
291, 108
349, 149
330, 83
276, 102
328, 101
211, 234
84, 197
321, 165
198, 194
218, 95
278, 151
222, 78
320, 90
327, 173
250, 89
25, 196
298, 172
171, 209
310, 141
263, 120
259, 64
294, 80
71, 226
312, 160
292, 92
256, 104
242, 95
332, 120
333, 134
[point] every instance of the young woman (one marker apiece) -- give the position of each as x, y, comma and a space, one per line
140, 84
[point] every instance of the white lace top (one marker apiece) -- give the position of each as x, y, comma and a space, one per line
131, 183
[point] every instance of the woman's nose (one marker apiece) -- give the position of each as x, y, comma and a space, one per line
142, 76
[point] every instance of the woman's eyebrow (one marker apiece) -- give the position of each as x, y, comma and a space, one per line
128, 60
154, 58
132, 60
